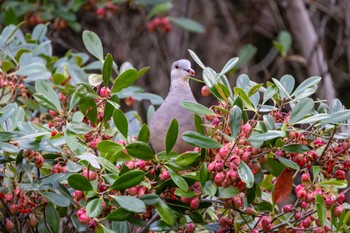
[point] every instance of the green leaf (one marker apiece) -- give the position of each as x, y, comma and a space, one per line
6, 66
144, 134
111, 105
315, 172
45, 102
209, 77
314, 118
178, 180
271, 134
301, 109
186, 158
270, 92
107, 69
246, 174
93, 44
121, 122
198, 122
165, 212
131, 204
339, 184
229, 65
57, 199
338, 117
295, 148
197, 139
248, 104
171, 135
285, 40
288, 163
306, 84
105, 163
95, 79
228, 192
109, 146
10, 17
235, 120
79, 182
127, 78
196, 59
52, 218
288, 82
119, 214
197, 108
321, 209
203, 173
150, 199
181, 193
140, 150
188, 24
89, 109
128, 180
210, 188
282, 90
159, 9
79, 127
58, 78
94, 208
245, 54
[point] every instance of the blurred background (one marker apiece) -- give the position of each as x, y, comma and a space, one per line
271, 37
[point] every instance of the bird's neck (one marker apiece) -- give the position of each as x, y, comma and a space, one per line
180, 85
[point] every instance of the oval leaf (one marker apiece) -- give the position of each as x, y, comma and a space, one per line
301, 109
288, 163
94, 208
107, 69
128, 180
235, 120
119, 214
93, 44
171, 135
186, 159
79, 182
57, 199
165, 212
188, 24
131, 204
197, 108
246, 174
178, 180
283, 186
140, 150
121, 122
295, 148
197, 139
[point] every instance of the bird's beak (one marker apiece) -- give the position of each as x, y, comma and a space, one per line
191, 72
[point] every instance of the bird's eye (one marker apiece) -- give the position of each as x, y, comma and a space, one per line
176, 66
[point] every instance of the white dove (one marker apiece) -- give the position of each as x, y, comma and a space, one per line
179, 91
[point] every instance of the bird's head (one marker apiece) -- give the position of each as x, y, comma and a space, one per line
181, 69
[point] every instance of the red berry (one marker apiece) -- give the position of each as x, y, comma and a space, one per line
83, 218
9, 225
340, 175
249, 211
164, 175
186, 199
190, 227
105, 92
338, 210
39, 161
305, 177
101, 11
53, 113
287, 208
78, 195
53, 133
129, 101
13, 209
194, 203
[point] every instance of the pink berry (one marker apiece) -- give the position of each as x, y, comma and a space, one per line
105, 92
287, 208
164, 175
194, 203
53, 113
13, 209
83, 218
190, 227
205, 91
340, 175
9, 225
338, 210
101, 11
249, 211
78, 195
305, 177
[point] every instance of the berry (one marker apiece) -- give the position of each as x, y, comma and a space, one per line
287, 208
78, 195
129, 101
190, 227
9, 225
305, 177
205, 91
39, 161
13, 209
53, 133
105, 92
33, 221
83, 218
194, 203
101, 12
249, 211
340, 175
338, 210
53, 113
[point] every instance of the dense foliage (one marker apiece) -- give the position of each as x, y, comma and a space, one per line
72, 160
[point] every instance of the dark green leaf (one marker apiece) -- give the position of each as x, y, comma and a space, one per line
52, 218
131, 204
295, 148
235, 120
171, 135
197, 108
288, 163
181, 193
109, 146
89, 109
197, 139
203, 174
93, 44
128, 180
263, 206
165, 212
105, 163
121, 122
57, 199
58, 78
246, 174
186, 158
10, 17
127, 78
315, 172
112, 103
107, 69
198, 122
150, 199
140, 150
271, 134
119, 214
144, 134
94, 208
79, 182
178, 180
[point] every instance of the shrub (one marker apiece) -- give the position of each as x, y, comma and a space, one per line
71, 157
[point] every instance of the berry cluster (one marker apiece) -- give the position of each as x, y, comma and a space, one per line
159, 22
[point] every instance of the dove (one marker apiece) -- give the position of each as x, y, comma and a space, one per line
179, 91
